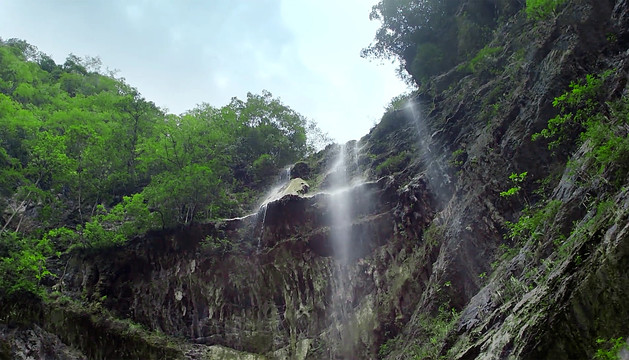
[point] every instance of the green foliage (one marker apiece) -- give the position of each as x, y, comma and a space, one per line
86, 161
216, 245
181, 197
23, 264
457, 157
428, 37
481, 61
61, 238
575, 107
430, 59
398, 102
433, 333
516, 180
416, 33
600, 126
505, 253
74, 141
542, 9
264, 167
609, 142
387, 347
393, 164
609, 349
586, 229
530, 224
433, 234
127, 219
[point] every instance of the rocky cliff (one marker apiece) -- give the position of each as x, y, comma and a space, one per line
464, 238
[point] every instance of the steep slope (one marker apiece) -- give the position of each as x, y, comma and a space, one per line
551, 284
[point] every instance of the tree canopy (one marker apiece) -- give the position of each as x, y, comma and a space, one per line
428, 37
85, 160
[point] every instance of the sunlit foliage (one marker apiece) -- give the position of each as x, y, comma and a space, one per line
86, 161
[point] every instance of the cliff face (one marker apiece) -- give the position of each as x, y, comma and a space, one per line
273, 286
435, 261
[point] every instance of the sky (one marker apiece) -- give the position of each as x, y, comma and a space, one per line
181, 53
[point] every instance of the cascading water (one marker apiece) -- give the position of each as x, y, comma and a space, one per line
437, 175
340, 198
274, 194
340, 208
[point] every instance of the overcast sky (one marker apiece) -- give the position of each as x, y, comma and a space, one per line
180, 53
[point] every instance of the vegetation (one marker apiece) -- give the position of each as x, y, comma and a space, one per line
603, 131
575, 107
516, 180
86, 161
433, 333
542, 9
457, 158
435, 330
480, 62
610, 349
429, 37
393, 164
530, 223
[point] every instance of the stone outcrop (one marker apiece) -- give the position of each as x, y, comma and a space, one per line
269, 291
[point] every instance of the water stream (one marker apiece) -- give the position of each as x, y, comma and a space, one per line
274, 194
341, 209
437, 174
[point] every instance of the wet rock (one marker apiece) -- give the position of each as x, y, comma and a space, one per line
300, 170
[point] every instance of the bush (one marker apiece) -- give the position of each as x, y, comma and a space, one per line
264, 168
392, 164
430, 60
542, 9
125, 220
610, 349
24, 265
530, 224
481, 61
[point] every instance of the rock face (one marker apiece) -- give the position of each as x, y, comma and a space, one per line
434, 270
269, 291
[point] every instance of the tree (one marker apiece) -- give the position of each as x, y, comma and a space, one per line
408, 24
429, 37
182, 197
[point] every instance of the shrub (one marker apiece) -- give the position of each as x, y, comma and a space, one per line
575, 107
124, 221
24, 265
605, 132
516, 180
610, 349
542, 9
264, 168
481, 62
530, 222
393, 164
435, 330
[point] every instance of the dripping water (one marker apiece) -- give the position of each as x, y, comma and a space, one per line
274, 194
438, 176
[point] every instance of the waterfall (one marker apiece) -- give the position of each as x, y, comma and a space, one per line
276, 191
437, 174
340, 202
274, 194
340, 208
